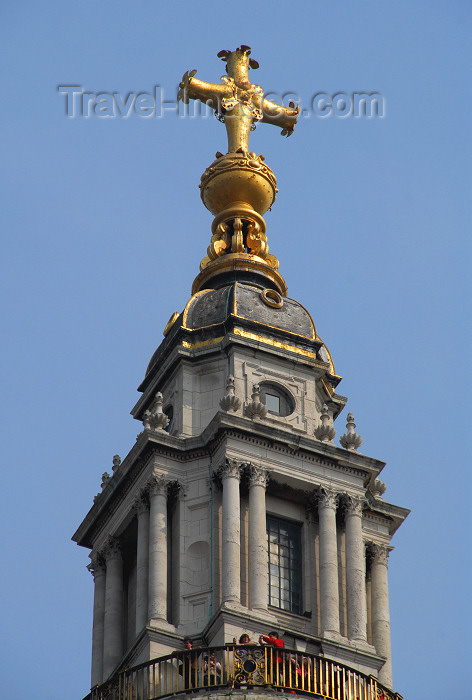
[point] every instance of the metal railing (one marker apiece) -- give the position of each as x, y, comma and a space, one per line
245, 666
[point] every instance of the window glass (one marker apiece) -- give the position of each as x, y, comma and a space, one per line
278, 401
285, 564
273, 403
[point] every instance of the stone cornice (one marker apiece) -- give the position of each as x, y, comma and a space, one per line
223, 426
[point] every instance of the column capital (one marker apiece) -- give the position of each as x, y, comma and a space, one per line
327, 498
141, 502
157, 484
354, 505
378, 553
230, 469
97, 565
258, 476
112, 549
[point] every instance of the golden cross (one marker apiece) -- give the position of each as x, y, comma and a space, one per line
237, 101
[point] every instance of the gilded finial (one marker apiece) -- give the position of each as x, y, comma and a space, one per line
239, 187
238, 102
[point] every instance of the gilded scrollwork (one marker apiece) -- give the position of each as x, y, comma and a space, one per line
220, 241
249, 665
239, 161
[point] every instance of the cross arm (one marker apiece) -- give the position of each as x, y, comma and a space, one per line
193, 89
285, 117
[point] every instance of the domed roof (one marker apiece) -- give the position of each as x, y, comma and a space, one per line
264, 306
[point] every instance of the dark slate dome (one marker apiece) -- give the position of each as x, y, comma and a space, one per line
265, 306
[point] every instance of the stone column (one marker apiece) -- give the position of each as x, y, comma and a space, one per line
355, 571
329, 579
157, 595
142, 561
231, 544
258, 560
113, 631
97, 569
380, 609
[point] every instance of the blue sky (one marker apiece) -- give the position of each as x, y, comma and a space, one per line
103, 231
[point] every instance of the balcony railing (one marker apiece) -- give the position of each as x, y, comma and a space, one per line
246, 666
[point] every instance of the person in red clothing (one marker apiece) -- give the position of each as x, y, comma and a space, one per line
277, 658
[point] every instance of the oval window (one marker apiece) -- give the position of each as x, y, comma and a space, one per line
278, 401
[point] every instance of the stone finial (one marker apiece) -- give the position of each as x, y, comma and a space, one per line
155, 418
230, 401
325, 431
105, 479
377, 488
116, 462
255, 409
350, 440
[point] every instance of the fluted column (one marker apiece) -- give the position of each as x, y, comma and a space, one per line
355, 571
113, 629
380, 609
157, 594
231, 565
142, 561
97, 569
329, 580
258, 566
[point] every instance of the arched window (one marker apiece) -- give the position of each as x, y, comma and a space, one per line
278, 401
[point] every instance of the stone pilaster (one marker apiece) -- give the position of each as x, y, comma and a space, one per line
157, 592
258, 567
142, 561
113, 627
380, 609
355, 571
329, 578
98, 571
231, 564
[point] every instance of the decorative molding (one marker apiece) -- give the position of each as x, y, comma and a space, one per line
377, 488
230, 402
97, 565
327, 498
354, 505
258, 476
155, 418
325, 431
112, 548
378, 553
350, 440
231, 469
255, 409
158, 485
141, 502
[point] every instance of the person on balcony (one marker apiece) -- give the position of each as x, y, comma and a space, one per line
212, 670
188, 669
276, 658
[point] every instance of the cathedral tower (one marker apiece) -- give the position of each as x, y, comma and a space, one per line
235, 511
